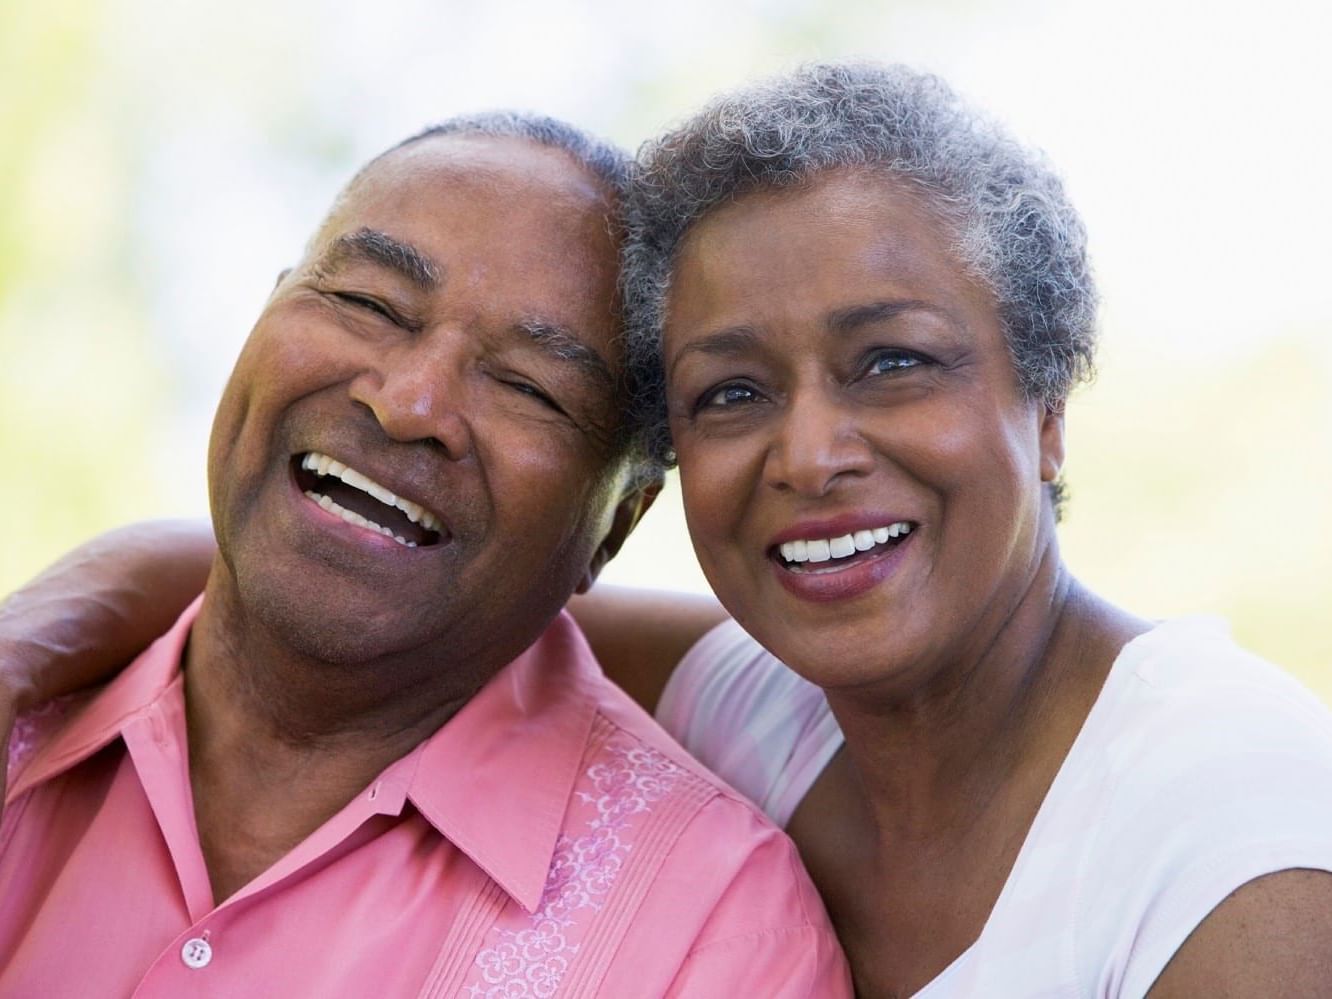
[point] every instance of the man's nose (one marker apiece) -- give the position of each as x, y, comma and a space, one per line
417, 394
818, 444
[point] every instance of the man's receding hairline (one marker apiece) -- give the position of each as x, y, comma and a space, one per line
604, 191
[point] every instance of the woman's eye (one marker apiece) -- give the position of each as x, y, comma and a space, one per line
884, 362
728, 395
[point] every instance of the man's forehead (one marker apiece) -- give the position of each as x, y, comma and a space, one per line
509, 202
499, 162
505, 225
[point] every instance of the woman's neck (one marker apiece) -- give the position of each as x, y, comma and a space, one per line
994, 721
913, 830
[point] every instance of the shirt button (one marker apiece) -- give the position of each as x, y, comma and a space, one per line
196, 953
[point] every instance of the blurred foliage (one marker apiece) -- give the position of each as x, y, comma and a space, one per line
1205, 488
78, 386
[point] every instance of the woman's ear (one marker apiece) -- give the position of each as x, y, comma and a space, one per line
1052, 442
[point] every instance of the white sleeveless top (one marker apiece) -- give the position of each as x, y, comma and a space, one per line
1199, 768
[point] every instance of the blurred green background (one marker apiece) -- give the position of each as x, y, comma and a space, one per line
161, 161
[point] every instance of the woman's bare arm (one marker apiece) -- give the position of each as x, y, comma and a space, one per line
640, 635
92, 612
1271, 938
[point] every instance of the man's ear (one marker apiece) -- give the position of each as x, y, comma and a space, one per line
1052, 441
628, 512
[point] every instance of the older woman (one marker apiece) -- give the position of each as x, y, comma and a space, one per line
871, 307
866, 307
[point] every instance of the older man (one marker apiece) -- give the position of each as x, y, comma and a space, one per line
374, 759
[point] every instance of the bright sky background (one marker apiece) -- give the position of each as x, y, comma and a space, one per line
161, 160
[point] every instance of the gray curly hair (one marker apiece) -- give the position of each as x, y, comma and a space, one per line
1012, 223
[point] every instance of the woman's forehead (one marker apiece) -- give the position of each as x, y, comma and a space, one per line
841, 230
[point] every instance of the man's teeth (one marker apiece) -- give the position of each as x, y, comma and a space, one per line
322, 464
352, 517
824, 549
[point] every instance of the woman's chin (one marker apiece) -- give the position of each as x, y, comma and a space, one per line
865, 657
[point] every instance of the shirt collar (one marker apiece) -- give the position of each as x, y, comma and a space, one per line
495, 780
102, 718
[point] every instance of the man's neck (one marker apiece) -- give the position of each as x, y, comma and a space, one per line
279, 743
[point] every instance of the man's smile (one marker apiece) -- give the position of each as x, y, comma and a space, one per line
361, 501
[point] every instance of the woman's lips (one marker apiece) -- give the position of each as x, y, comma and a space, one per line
846, 545
841, 577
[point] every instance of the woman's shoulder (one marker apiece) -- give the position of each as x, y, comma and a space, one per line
758, 725
1210, 767
1200, 745
728, 661
1200, 768
1186, 692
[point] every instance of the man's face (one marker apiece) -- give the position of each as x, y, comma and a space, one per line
450, 338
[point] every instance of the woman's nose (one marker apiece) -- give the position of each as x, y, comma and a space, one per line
817, 444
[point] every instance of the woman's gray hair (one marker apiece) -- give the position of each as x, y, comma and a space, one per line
1012, 223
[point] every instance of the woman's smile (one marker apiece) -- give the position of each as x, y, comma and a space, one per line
827, 561
805, 553
842, 580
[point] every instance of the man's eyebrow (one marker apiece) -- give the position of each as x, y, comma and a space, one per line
563, 344
367, 245
850, 319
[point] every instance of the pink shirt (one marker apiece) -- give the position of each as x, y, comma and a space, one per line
549, 841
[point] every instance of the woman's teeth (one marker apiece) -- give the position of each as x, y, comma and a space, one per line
824, 549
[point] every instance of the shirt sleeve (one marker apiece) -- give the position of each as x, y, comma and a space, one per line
789, 964
750, 719
767, 935
730, 914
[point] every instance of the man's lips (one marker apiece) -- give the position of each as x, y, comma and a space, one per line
356, 498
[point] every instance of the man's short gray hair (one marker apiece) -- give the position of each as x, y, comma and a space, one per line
1012, 224
608, 163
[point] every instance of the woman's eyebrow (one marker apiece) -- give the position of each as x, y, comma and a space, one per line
371, 246
854, 317
727, 342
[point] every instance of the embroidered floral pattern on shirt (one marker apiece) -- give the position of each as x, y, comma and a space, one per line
530, 963
31, 731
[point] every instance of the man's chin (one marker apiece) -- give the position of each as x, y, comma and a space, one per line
343, 629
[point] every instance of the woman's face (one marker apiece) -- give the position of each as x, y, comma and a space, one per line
836, 377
